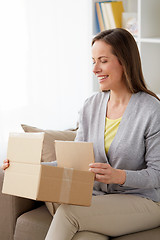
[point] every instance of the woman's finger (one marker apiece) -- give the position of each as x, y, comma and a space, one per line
97, 170
99, 165
4, 166
102, 178
6, 161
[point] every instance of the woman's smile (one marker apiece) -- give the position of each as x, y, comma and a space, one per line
102, 78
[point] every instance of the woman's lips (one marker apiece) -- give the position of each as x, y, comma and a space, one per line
102, 78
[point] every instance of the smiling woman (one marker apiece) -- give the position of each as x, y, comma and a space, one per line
107, 67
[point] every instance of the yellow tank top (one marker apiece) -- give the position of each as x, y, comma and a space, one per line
111, 128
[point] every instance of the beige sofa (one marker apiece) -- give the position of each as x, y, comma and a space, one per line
25, 219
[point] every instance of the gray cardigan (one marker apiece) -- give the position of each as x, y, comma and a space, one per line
135, 148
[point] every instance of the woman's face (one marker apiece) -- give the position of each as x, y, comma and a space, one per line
106, 67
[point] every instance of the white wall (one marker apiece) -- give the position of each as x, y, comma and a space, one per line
45, 64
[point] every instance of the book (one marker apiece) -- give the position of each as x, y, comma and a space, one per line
105, 15
97, 23
114, 11
99, 16
109, 14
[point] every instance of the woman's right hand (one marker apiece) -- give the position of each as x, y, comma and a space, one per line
5, 164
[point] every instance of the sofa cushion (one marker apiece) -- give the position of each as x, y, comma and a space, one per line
33, 225
48, 151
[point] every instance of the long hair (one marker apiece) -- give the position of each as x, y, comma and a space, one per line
125, 48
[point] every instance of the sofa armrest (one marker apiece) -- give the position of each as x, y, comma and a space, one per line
11, 207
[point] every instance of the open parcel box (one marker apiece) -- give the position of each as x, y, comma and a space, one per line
27, 177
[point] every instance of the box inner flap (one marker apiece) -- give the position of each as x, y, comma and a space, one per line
76, 155
25, 147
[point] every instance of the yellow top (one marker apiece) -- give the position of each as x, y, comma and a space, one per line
111, 128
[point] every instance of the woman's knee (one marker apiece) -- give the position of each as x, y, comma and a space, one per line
64, 209
67, 212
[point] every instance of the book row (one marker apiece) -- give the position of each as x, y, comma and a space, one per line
109, 14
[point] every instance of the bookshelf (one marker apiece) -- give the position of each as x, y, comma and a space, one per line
148, 38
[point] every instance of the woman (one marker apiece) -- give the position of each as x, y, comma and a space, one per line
123, 122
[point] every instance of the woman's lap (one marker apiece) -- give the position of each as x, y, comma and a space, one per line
111, 215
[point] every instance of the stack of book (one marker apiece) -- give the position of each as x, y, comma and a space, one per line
109, 14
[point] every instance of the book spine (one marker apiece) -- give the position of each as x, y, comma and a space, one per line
99, 15
105, 16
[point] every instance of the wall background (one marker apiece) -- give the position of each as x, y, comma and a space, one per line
45, 64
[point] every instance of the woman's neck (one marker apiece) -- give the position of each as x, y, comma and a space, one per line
119, 97
117, 104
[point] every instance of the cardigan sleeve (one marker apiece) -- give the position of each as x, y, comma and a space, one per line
81, 132
149, 177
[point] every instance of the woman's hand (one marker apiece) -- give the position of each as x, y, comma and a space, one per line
5, 164
106, 174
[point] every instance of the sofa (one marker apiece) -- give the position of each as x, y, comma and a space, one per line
25, 219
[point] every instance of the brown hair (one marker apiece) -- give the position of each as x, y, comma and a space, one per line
125, 48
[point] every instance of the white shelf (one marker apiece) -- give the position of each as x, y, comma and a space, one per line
148, 38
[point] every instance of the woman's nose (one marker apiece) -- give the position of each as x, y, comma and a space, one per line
96, 68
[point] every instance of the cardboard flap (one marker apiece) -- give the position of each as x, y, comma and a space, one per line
22, 180
76, 155
25, 147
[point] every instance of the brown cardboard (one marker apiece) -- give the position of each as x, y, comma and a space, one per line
27, 177
74, 154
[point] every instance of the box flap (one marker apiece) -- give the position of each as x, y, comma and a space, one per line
25, 147
76, 155
22, 180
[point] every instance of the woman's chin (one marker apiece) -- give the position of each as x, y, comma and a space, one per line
103, 88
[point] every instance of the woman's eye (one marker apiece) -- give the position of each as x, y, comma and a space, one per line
104, 61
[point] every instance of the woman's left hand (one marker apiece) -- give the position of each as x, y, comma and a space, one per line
106, 174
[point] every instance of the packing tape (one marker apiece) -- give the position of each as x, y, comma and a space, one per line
66, 185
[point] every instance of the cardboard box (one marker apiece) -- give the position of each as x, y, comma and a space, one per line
27, 177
